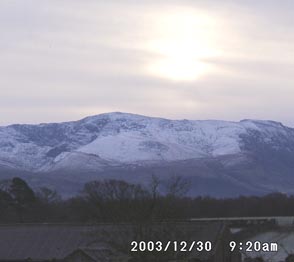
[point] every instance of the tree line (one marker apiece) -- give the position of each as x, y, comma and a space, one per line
115, 201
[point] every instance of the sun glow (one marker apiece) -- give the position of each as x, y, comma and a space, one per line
183, 43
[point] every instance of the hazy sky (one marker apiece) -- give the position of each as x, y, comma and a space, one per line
63, 60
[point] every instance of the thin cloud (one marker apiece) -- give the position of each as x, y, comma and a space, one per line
62, 61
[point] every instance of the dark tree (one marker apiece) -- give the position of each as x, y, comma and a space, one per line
23, 197
21, 193
48, 196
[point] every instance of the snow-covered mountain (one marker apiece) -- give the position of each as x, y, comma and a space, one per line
117, 141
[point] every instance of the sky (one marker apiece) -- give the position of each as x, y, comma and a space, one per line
62, 60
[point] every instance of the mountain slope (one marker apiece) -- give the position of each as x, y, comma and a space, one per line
256, 156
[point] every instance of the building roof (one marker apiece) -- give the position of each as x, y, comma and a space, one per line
41, 242
99, 254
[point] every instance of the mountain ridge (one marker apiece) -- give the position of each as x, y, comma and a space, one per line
118, 113
106, 143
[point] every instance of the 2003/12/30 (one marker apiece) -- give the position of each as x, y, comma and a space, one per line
182, 246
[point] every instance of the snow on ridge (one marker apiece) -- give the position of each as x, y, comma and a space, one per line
169, 140
126, 138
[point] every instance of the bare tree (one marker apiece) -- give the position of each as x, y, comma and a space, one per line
48, 196
178, 186
154, 186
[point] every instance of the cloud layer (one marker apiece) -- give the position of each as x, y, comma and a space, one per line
62, 60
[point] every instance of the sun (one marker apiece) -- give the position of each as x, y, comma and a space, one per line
183, 43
